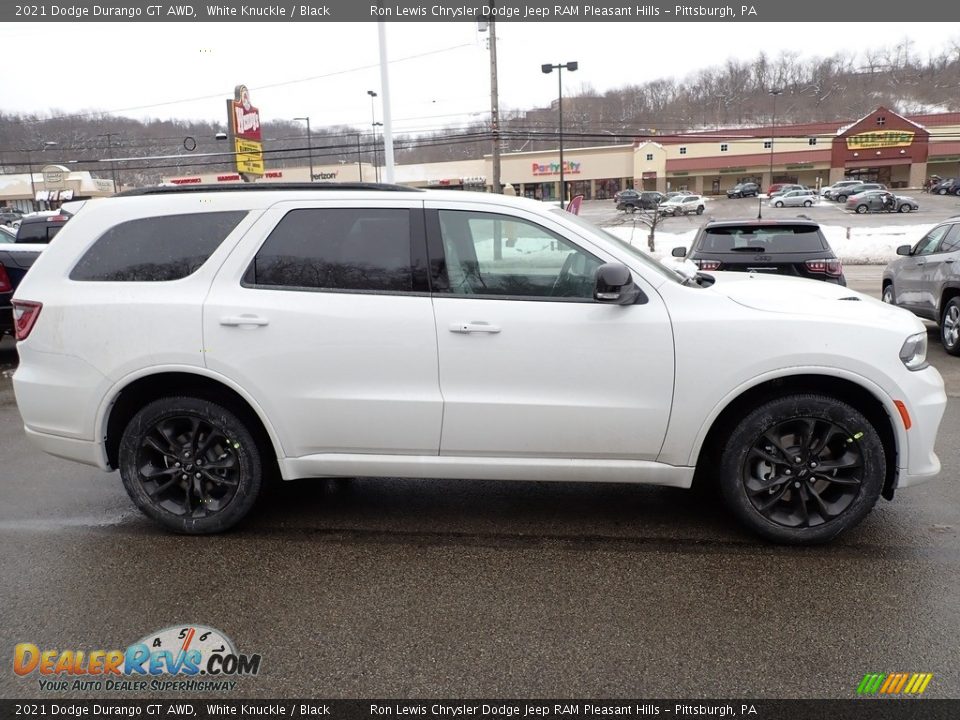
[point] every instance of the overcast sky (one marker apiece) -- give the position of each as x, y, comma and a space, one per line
439, 72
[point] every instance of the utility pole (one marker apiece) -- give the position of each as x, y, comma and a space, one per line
113, 165
494, 100
309, 144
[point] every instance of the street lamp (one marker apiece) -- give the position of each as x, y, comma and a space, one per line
773, 129
33, 185
373, 125
309, 144
547, 69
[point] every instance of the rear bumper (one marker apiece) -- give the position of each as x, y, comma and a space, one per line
81, 451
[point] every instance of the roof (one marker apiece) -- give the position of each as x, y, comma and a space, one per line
263, 187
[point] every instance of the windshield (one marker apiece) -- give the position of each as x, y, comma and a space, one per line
765, 238
592, 230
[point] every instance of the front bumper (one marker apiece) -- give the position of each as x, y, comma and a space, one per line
926, 406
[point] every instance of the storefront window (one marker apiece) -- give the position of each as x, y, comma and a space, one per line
607, 188
580, 187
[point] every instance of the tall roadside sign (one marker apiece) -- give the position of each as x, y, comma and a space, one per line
244, 123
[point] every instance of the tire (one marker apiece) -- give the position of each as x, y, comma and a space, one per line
631, 209
699, 209
888, 296
841, 198
808, 203
950, 327
778, 203
861, 209
163, 438
942, 191
784, 507
904, 209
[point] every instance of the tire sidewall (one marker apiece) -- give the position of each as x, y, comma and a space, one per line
782, 409
955, 349
248, 455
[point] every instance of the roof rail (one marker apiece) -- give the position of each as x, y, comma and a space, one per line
246, 187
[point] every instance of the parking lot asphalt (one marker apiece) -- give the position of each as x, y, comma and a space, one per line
415, 588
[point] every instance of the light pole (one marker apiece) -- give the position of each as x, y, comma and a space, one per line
376, 150
309, 144
33, 185
547, 69
773, 129
373, 126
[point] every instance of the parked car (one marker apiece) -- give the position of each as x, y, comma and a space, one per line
945, 186
198, 339
794, 198
40, 227
683, 205
794, 247
881, 201
926, 280
843, 193
740, 190
783, 189
830, 191
774, 188
633, 200
7, 234
8, 216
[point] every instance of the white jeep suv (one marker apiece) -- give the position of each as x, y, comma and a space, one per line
198, 338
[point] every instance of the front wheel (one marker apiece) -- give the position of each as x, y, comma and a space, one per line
700, 210
904, 209
191, 465
942, 191
950, 327
841, 198
808, 203
778, 204
887, 296
802, 469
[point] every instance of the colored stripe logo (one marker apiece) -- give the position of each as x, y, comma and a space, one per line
894, 683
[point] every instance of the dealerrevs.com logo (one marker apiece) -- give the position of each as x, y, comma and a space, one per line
180, 657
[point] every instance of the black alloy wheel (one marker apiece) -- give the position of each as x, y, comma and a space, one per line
190, 464
802, 469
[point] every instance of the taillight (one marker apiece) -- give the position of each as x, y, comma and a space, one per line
25, 314
708, 264
58, 218
833, 267
5, 284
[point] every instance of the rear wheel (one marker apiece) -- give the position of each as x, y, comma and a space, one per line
808, 203
942, 191
950, 326
802, 469
191, 465
699, 209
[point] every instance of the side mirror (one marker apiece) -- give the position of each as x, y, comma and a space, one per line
904, 250
615, 285
679, 252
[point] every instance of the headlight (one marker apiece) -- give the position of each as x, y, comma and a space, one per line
914, 352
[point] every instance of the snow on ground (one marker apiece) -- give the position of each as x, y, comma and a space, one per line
854, 246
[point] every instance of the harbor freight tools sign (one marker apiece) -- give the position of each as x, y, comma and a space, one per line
179, 658
875, 140
244, 120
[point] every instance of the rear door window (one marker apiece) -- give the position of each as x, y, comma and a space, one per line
155, 249
768, 239
340, 249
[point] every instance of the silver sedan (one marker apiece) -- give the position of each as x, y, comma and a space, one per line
795, 198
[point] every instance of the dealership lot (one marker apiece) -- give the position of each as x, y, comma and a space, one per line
410, 588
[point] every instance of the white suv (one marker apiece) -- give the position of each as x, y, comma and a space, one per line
198, 338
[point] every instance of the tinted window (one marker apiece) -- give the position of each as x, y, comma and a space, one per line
928, 245
32, 232
489, 254
766, 238
951, 243
154, 249
337, 249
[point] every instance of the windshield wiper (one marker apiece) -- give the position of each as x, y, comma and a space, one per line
748, 248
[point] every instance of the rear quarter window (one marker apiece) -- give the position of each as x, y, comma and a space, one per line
773, 239
155, 249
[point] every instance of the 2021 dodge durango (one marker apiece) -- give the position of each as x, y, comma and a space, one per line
196, 339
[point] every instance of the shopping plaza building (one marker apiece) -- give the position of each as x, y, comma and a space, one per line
883, 146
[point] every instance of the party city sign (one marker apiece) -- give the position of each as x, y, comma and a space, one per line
569, 168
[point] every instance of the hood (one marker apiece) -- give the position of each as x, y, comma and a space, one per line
800, 296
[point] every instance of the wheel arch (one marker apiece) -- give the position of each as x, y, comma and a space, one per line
135, 392
847, 390
949, 292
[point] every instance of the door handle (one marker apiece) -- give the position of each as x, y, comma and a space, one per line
921, 262
240, 320
950, 260
474, 327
